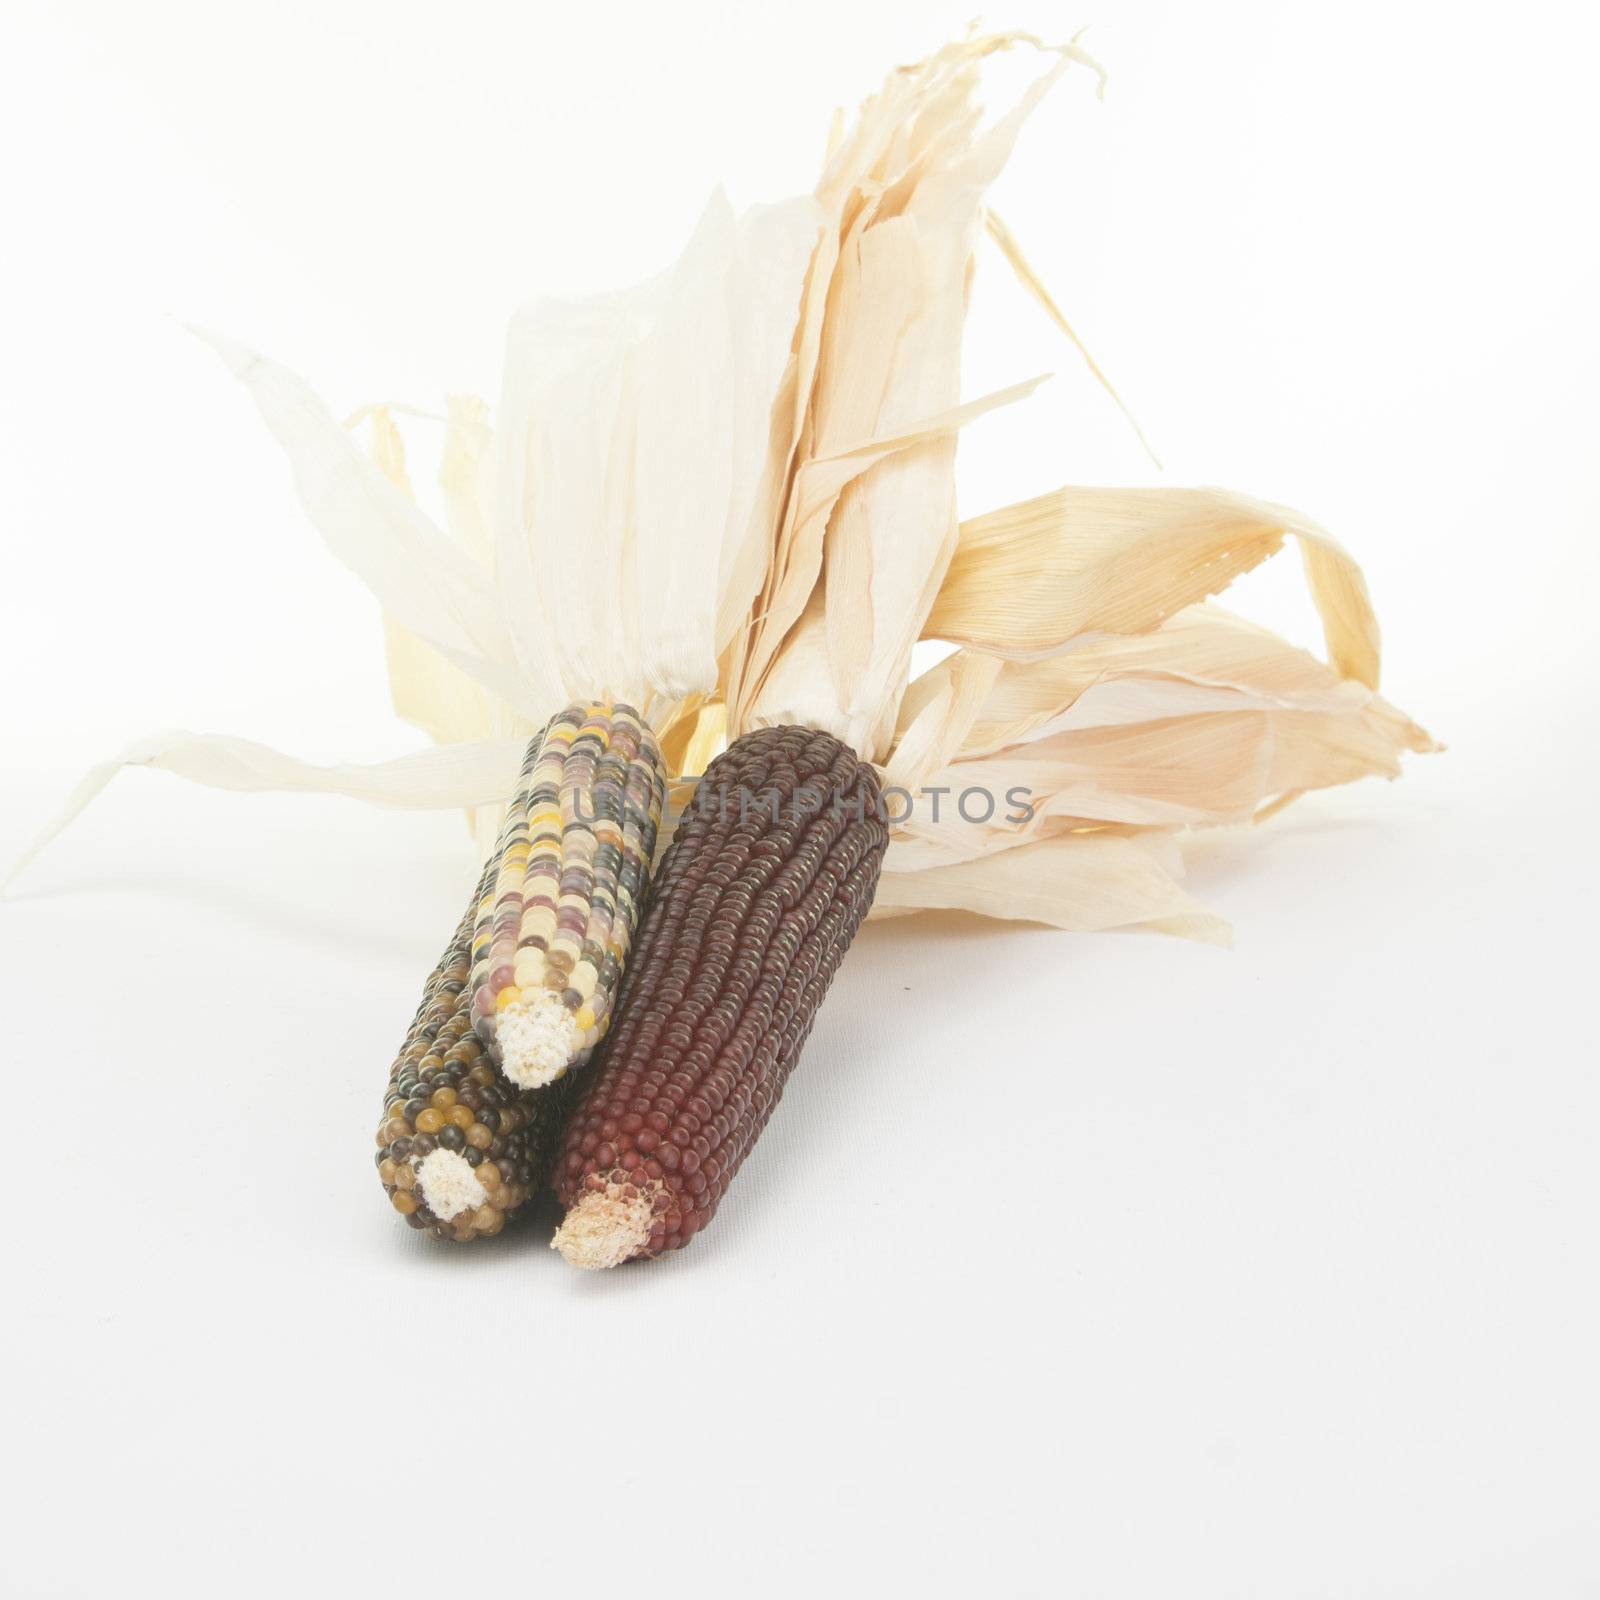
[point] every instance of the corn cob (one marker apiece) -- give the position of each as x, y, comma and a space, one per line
756, 900
458, 1148
554, 924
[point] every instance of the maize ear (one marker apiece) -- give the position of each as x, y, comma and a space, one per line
573, 861
458, 1148
756, 900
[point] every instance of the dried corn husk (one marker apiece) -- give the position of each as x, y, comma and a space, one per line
1091, 676
752, 458
604, 536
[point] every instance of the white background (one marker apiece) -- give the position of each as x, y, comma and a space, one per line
1103, 1266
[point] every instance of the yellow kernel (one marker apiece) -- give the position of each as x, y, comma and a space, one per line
479, 1136
387, 1170
489, 1175
584, 1018
507, 997
405, 1176
404, 1203
443, 1099
462, 1116
485, 1217
430, 1121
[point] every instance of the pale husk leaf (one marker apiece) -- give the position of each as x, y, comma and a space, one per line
427, 690
465, 775
639, 427
1086, 882
423, 579
1030, 578
1209, 719
1202, 659
810, 695
1002, 235
878, 346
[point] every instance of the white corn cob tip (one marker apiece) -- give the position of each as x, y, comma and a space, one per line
448, 1184
606, 1227
536, 1040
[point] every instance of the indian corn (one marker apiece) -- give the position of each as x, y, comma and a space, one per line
756, 900
556, 918
459, 1149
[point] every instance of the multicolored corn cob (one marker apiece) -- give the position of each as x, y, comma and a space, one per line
755, 903
573, 861
458, 1148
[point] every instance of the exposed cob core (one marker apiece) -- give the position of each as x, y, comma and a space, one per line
459, 1149
557, 914
757, 899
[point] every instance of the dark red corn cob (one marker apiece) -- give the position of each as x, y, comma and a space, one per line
755, 903
459, 1148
